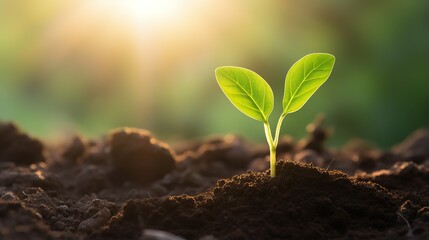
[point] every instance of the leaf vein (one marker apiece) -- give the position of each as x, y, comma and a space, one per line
250, 96
305, 77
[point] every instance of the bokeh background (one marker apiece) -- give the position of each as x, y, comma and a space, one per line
87, 66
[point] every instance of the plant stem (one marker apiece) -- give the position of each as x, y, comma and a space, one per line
272, 146
273, 143
279, 125
273, 161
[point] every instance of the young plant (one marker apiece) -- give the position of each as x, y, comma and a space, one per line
252, 95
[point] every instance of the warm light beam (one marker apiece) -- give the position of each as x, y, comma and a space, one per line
143, 12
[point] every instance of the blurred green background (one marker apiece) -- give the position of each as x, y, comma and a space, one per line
88, 66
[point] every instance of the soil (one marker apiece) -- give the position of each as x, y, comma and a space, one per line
130, 185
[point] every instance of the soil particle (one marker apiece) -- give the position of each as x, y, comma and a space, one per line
18, 147
415, 147
423, 213
317, 136
139, 157
9, 197
89, 206
408, 210
255, 206
95, 222
75, 151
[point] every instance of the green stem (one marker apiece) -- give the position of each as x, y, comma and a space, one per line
272, 146
273, 161
273, 143
279, 125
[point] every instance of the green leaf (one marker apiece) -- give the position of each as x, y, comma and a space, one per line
247, 91
304, 78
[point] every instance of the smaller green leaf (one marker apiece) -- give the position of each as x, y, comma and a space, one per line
247, 91
304, 78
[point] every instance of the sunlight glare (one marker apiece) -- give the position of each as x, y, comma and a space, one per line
143, 12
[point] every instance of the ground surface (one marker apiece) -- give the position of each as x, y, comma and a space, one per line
129, 185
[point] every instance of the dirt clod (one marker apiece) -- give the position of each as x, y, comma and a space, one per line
18, 147
139, 157
74, 151
95, 222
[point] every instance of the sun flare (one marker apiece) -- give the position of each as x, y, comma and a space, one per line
143, 13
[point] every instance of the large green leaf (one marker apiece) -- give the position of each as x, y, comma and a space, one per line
247, 91
304, 78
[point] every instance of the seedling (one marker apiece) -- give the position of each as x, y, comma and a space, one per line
252, 95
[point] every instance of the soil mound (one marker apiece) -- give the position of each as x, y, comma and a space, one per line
303, 202
18, 147
139, 157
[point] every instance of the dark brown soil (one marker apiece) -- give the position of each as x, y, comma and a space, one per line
303, 202
129, 185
